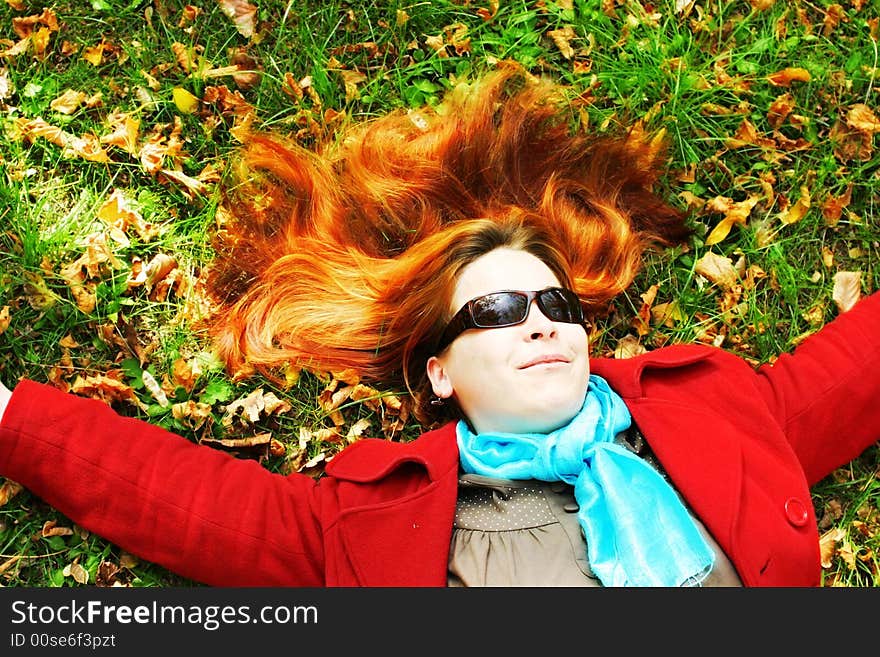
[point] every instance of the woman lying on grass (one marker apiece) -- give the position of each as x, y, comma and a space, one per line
457, 253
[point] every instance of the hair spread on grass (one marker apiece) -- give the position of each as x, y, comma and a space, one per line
346, 256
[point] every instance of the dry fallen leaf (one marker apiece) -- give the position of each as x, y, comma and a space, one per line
51, 528
242, 14
249, 408
80, 574
796, 211
833, 206
786, 76
862, 118
734, 213
828, 545
562, 38
4, 319
847, 289
8, 490
68, 102
629, 346
718, 269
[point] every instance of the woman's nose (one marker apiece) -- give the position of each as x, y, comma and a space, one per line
537, 324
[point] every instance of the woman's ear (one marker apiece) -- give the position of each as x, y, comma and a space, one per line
439, 378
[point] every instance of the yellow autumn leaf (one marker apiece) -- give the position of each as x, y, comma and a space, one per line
184, 100
668, 313
125, 130
94, 55
68, 102
4, 319
735, 213
797, 211
721, 230
786, 76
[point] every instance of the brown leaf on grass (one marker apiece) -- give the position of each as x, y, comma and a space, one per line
642, 320
75, 570
455, 36
87, 147
330, 400
780, 109
761, 5
4, 319
8, 490
747, 135
667, 313
247, 69
862, 118
37, 293
124, 132
847, 289
828, 545
51, 528
249, 409
242, 14
834, 16
851, 144
260, 440
107, 575
629, 346
356, 431
833, 206
185, 373
183, 55
563, 38
24, 25
786, 76
119, 215
718, 269
188, 15
226, 101
105, 387
351, 79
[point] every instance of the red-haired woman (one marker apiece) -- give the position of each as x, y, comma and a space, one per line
456, 252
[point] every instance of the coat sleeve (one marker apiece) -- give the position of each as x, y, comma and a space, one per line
194, 510
827, 391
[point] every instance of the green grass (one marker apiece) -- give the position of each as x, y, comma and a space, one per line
698, 75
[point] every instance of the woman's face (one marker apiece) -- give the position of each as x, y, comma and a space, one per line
527, 378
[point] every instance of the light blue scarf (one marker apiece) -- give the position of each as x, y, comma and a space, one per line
638, 531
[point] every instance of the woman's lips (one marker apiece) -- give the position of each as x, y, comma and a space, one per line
547, 359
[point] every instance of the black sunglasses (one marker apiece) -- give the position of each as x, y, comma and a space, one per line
510, 307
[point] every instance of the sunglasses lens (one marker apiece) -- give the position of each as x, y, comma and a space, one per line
500, 309
560, 305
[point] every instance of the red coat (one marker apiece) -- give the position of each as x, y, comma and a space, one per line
742, 446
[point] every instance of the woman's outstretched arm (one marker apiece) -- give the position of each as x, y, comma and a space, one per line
196, 511
828, 390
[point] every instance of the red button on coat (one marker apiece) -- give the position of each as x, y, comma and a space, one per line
796, 512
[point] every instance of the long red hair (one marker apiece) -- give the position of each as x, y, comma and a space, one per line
347, 256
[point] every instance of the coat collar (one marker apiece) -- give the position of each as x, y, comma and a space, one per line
412, 546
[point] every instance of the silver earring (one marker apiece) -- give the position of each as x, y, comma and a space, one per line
437, 401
